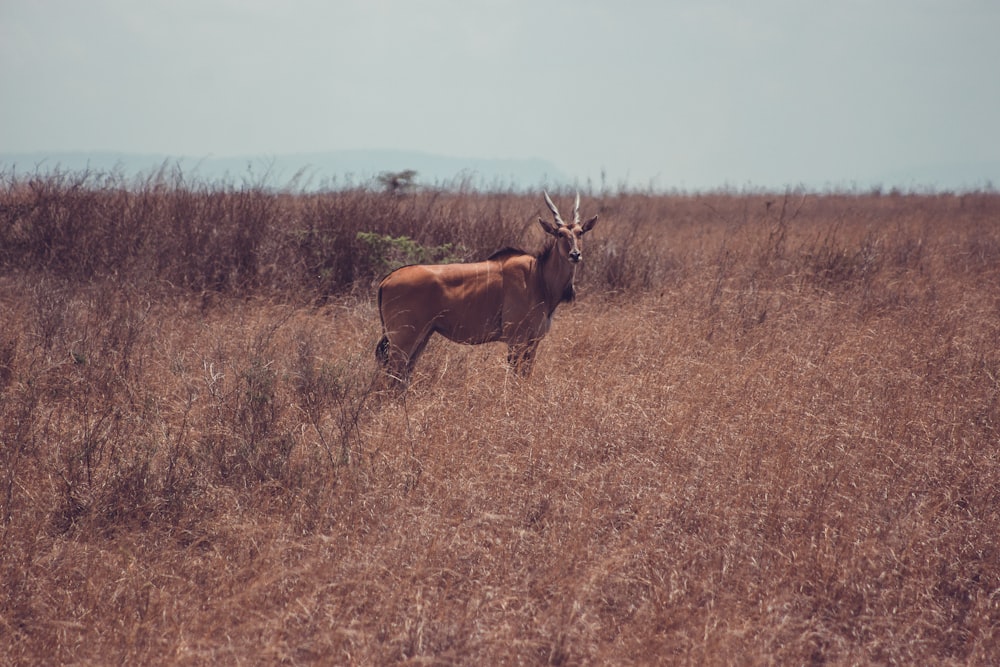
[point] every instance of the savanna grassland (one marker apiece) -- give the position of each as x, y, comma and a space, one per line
767, 432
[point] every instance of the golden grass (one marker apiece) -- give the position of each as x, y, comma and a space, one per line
756, 438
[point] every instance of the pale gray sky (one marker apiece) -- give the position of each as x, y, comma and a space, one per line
678, 93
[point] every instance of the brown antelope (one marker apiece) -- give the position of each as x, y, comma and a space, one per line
509, 297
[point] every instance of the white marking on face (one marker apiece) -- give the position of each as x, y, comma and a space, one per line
573, 234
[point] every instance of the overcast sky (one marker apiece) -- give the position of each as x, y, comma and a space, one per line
674, 93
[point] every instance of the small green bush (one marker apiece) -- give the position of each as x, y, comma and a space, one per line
386, 253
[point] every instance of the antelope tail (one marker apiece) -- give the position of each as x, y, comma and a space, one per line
382, 351
382, 347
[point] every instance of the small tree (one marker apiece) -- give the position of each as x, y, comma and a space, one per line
398, 182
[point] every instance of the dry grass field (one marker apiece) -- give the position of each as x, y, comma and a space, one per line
767, 432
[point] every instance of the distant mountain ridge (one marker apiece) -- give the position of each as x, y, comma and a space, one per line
346, 168
308, 170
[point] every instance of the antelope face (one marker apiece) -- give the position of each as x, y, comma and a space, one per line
568, 236
569, 243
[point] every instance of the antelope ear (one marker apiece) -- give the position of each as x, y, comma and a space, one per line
548, 227
590, 224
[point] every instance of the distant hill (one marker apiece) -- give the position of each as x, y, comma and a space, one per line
336, 169
307, 170
942, 177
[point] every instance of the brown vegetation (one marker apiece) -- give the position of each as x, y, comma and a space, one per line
767, 432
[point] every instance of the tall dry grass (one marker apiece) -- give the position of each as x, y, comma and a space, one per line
767, 432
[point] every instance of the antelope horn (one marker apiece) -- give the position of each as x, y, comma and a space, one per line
552, 207
576, 210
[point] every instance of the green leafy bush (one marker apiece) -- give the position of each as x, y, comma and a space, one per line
386, 253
